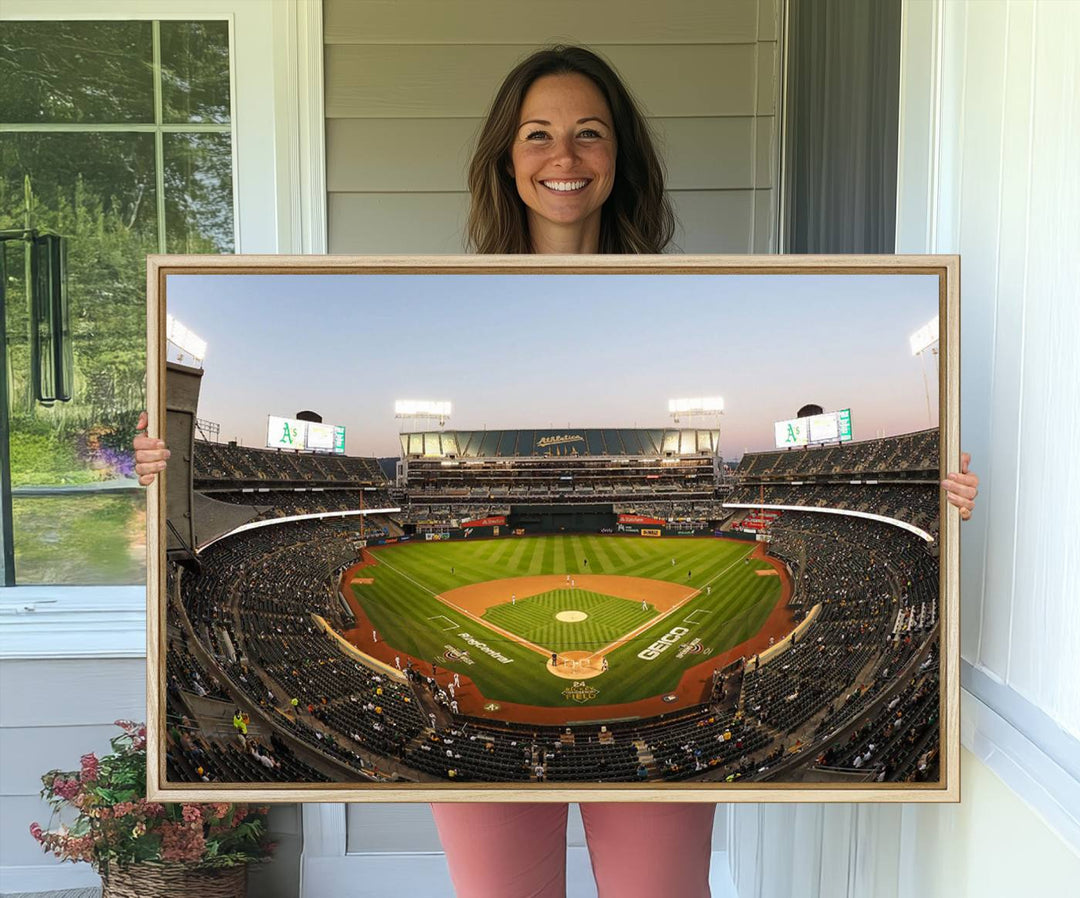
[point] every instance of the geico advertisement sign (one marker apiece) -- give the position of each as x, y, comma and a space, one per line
663, 643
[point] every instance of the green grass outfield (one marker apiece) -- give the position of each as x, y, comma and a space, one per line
401, 604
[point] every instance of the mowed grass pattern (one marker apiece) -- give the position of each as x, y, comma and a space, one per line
534, 618
402, 605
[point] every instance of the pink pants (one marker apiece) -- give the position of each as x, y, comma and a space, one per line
638, 850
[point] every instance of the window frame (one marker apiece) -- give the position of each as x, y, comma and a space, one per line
276, 95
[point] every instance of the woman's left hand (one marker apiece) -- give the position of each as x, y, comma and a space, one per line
962, 488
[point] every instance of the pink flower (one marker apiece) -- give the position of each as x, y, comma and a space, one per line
123, 808
36, 832
181, 842
150, 808
65, 788
192, 814
89, 767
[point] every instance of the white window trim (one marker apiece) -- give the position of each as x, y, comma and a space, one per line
280, 207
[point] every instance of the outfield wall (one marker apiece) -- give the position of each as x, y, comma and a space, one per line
539, 519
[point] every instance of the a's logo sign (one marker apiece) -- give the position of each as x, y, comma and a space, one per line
492, 706
580, 692
562, 438
670, 697
663, 644
792, 436
288, 433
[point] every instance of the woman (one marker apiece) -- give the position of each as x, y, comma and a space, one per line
565, 164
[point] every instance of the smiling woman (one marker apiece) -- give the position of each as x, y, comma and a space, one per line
563, 117
563, 162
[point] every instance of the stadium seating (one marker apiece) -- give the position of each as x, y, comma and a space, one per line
249, 636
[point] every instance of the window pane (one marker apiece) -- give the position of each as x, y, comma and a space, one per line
81, 540
195, 71
113, 174
98, 191
76, 72
198, 193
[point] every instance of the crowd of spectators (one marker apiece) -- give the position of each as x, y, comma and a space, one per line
907, 453
223, 464
912, 503
279, 503
900, 742
865, 576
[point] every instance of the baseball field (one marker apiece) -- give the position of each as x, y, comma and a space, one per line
624, 616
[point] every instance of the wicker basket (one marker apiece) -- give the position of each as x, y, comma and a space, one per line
174, 881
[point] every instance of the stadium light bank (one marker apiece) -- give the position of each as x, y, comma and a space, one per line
185, 341
425, 409
697, 406
926, 337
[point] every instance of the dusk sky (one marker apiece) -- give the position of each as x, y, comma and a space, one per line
533, 351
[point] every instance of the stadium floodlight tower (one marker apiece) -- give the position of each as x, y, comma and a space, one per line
709, 408
185, 347
422, 410
926, 338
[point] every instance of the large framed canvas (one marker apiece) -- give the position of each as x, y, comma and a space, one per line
554, 528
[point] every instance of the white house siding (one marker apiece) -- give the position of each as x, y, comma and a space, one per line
408, 83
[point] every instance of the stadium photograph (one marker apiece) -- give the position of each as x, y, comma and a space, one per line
546, 530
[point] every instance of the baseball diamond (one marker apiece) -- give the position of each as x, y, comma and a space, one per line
412, 598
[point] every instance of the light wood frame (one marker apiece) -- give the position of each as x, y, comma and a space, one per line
945, 267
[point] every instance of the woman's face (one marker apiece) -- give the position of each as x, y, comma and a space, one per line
563, 154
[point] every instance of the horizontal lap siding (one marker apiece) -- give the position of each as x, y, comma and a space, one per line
524, 22
408, 83
460, 80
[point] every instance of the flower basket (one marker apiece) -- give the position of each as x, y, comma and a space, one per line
148, 849
174, 881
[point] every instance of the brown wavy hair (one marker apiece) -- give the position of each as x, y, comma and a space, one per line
636, 218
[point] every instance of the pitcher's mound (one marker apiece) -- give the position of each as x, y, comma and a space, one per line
571, 617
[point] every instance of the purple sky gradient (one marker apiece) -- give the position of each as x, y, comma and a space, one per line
539, 350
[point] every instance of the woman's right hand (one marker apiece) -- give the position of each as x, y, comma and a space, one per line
150, 453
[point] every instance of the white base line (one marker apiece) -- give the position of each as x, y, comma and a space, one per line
517, 640
645, 626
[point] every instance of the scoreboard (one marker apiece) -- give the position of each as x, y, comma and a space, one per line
831, 427
305, 436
